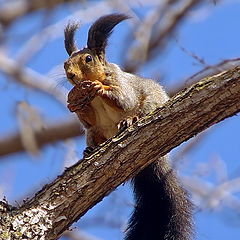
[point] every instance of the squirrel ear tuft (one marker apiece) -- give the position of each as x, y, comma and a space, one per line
100, 31
69, 33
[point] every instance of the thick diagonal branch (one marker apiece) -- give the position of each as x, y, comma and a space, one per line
53, 209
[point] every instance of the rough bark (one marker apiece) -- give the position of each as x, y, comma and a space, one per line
53, 209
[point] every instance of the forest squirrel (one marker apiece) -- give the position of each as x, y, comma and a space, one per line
107, 99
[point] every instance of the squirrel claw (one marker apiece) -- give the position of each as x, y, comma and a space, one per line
72, 107
82, 94
124, 124
88, 151
100, 88
102, 92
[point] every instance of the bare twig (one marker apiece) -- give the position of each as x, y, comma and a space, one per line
206, 72
168, 26
187, 149
211, 196
200, 60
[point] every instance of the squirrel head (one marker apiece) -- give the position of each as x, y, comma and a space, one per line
89, 63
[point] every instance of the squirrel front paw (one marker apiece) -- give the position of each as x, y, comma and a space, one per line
101, 89
81, 95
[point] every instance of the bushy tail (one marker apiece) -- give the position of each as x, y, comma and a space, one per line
163, 210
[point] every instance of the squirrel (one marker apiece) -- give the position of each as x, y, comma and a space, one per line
106, 100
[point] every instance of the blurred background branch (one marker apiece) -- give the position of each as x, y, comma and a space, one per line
47, 134
12, 10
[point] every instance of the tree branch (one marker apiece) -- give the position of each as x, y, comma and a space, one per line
49, 134
12, 11
207, 71
172, 16
53, 209
30, 78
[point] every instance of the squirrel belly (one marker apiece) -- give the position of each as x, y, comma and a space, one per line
107, 117
107, 99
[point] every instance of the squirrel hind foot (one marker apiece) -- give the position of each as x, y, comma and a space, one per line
124, 124
88, 151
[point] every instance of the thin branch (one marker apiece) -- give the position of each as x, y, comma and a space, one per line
53, 209
174, 18
206, 72
55, 132
87, 14
168, 25
198, 59
194, 143
212, 196
12, 10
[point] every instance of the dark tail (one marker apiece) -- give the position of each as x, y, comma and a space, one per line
163, 210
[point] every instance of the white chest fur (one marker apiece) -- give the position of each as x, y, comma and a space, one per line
107, 117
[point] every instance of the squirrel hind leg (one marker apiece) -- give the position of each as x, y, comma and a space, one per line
94, 139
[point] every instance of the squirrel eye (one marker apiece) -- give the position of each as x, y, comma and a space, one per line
88, 58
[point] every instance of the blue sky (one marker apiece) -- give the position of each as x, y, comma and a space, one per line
211, 32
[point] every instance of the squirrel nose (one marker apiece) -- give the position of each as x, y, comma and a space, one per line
70, 75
